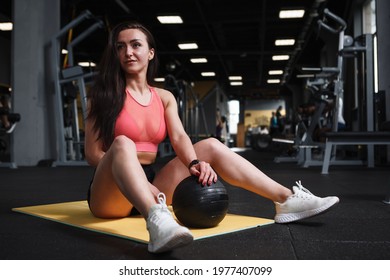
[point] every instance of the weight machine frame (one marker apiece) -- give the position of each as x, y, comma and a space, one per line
63, 76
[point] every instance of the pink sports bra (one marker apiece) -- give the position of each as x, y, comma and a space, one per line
144, 124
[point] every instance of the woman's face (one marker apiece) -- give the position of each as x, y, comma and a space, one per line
133, 51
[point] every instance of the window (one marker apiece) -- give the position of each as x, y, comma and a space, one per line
234, 115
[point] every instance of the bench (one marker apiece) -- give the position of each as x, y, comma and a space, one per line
352, 138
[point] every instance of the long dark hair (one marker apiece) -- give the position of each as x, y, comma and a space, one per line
107, 95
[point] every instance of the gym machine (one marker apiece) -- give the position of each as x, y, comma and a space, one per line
190, 106
5, 136
364, 127
309, 119
327, 84
70, 83
323, 84
363, 54
185, 96
361, 49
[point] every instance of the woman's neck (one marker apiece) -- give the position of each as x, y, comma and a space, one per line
137, 86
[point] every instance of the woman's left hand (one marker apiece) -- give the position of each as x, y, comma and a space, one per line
205, 172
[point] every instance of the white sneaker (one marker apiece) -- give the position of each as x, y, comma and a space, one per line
165, 233
302, 204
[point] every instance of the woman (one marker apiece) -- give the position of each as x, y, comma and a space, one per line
127, 119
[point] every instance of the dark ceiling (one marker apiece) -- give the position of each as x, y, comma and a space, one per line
237, 37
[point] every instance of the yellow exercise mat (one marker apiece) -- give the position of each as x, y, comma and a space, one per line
77, 214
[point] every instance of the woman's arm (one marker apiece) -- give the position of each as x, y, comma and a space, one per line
93, 147
180, 141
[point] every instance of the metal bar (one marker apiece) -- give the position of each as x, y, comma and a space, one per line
81, 37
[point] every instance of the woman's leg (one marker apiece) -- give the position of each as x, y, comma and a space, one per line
239, 172
230, 166
120, 183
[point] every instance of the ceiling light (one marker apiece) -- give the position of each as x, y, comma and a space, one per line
170, 19
208, 74
275, 72
6, 26
188, 46
87, 64
199, 60
280, 57
284, 42
273, 81
235, 78
291, 13
159, 80
64, 51
236, 83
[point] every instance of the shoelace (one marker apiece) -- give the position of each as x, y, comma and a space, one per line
161, 198
300, 186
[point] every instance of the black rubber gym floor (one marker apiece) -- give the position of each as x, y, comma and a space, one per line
357, 228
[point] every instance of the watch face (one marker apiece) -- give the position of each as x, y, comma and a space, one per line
195, 161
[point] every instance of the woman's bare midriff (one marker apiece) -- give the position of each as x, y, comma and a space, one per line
146, 157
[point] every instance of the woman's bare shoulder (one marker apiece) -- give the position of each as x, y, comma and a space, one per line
164, 94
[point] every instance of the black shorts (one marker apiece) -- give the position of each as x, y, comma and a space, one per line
149, 172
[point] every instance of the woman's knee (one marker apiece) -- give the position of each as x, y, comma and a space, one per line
123, 144
208, 146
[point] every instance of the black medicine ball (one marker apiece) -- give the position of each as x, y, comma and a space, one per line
199, 206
